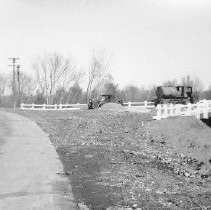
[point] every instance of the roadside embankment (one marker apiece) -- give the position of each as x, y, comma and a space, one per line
188, 136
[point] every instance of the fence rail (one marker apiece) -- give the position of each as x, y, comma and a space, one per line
201, 110
145, 104
52, 107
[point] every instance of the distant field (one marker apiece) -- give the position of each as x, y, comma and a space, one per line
119, 158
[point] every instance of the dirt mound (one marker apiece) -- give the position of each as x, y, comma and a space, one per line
188, 136
112, 106
119, 159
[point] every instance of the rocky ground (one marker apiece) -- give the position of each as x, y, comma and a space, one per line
125, 160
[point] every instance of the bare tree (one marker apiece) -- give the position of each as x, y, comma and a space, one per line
195, 83
207, 93
27, 86
53, 71
98, 73
77, 77
131, 93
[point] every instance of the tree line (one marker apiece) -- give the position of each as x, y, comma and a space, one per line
58, 80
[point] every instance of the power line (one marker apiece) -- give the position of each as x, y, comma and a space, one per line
18, 75
14, 91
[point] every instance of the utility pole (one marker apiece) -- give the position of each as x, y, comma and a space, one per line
18, 75
14, 81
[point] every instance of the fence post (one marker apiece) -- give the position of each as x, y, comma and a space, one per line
159, 112
55, 106
145, 104
165, 111
22, 105
129, 104
189, 109
177, 109
171, 110
198, 110
205, 109
33, 106
198, 116
60, 106
44, 106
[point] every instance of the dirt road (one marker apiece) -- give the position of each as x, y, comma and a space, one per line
28, 168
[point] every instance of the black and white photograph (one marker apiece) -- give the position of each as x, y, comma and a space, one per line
105, 104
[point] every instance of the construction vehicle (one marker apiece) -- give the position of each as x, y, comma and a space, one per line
107, 96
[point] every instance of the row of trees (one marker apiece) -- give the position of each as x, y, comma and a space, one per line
57, 80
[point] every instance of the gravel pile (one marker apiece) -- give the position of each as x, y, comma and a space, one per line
187, 136
112, 106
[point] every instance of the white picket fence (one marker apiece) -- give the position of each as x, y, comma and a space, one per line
52, 107
78, 106
201, 110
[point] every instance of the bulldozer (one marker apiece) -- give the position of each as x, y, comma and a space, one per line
107, 96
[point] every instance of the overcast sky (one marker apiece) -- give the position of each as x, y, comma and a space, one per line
150, 40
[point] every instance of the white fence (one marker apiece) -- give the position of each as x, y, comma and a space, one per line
129, 104
52, 107
145, 104
201, 110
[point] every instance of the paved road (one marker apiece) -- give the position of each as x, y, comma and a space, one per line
28, 168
